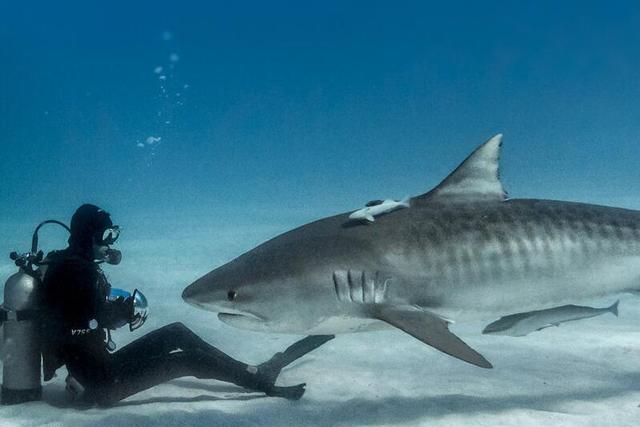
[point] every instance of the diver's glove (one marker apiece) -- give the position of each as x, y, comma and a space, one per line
116, 312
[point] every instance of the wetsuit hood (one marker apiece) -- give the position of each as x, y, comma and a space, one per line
86, 222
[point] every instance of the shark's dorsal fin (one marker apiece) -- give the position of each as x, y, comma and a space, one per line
476, 179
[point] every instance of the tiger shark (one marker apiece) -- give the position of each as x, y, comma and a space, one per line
462, 251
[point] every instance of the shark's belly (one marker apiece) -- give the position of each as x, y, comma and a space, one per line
345, 324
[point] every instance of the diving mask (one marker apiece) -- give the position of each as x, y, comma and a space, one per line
108, 236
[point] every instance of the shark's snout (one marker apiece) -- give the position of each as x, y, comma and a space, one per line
189, 294
203, 294
198, 295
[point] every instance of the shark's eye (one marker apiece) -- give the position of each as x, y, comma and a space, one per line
231, 295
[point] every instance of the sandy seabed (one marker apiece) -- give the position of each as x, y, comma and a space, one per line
584, 373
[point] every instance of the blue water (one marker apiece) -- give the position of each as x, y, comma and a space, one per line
244, 119
323, 106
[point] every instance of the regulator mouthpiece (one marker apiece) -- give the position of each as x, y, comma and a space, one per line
113, 256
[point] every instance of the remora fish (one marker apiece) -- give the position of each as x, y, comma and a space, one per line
519, 325
379, 207
462, 251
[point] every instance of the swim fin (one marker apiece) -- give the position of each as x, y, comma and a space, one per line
269, 371
300, 348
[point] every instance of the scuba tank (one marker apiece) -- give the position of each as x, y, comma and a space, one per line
21, 350
21, 375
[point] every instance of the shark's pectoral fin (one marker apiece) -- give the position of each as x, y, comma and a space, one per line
432, 330
369, 290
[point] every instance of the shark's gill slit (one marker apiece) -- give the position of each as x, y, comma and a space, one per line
355, 285
369, 289
361, 287
380, 288
341, 285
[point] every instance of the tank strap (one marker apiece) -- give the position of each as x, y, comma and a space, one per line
18, 316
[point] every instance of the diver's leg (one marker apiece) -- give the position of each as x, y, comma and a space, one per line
177, 336
136, 373
272, 367
174, 338
166, 339
175, 351
169, 352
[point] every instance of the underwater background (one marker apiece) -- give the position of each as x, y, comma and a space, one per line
205, 128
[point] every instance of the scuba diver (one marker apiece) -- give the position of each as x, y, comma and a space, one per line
80, 308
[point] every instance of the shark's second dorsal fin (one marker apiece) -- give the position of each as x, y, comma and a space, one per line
476, 179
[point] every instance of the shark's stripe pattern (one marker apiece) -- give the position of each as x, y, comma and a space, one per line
520, 241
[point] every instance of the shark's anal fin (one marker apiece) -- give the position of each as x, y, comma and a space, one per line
432, 330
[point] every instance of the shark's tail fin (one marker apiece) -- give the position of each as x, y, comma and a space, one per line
406, 202
614, 308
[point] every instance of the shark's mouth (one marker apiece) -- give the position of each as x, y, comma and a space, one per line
233, 316
239, 313
243, 320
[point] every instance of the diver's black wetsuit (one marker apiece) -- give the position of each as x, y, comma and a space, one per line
77, 314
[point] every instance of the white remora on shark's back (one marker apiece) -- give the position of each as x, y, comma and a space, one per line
371, 212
